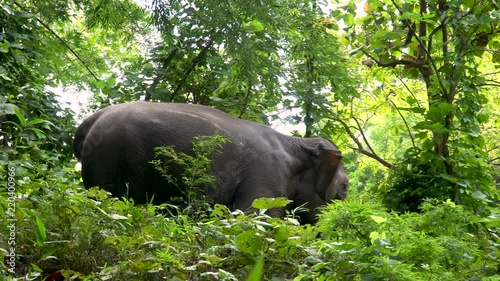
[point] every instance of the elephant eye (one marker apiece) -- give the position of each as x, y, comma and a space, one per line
343, 191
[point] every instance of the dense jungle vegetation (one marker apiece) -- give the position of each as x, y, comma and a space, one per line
408, 90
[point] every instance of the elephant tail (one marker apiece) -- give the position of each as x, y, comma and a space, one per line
82, 132
80, 135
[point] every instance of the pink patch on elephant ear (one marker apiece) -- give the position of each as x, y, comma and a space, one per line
334, 157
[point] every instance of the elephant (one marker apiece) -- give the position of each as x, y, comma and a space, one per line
115, 146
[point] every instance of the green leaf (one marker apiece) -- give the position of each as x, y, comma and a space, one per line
418, 110
269, 203
4, 47
256, 273
111, 81
38, 121
41, 234
281, 234
7, 108
117, 217
20, 116
36, 268
450, 203
376, 235
38, 132
68, 273
253, 26
100, 84
479, 195
438, 128
98, 194
483, 117
4, 75
221, 211
446, 107
355, 51
468, 3
248, 242
378, 219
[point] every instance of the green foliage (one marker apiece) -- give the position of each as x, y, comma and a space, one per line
269, 203
434, 117
230, 61
195, 168
437, 86
445, 242
89, 235
256, 273
416, 180
95, 237
31, 118
41, 234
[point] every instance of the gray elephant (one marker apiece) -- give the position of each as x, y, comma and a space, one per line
116, 144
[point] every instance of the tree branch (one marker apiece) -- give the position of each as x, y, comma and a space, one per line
419, 64
199, 58
247, 99
492, 160
360, 129
160, 75
409, 91
62, 41
425, 70
422, 32
3, 132
69, 48
370, 153
404, 120
444, 33
492, 84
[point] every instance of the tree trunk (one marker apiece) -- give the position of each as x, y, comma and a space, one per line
158, 78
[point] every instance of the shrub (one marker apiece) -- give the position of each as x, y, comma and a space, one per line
362, 241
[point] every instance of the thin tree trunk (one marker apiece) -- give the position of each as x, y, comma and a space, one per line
158, 78
199, 58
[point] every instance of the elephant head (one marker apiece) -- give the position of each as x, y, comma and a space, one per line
327, 164
320, 180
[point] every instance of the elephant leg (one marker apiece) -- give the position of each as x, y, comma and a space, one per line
104, 175
138, 185
308, 216
245, 196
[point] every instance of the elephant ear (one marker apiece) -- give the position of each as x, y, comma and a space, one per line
325, 158
325, 162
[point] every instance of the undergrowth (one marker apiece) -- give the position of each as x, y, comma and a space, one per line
88, 235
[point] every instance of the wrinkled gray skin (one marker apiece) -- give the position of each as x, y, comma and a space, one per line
116, 144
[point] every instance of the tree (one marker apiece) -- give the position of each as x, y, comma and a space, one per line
32, 120
441, 44
39, 51
239, 59
318, 73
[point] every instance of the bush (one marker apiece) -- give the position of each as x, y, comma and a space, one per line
86, 234
362, 241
